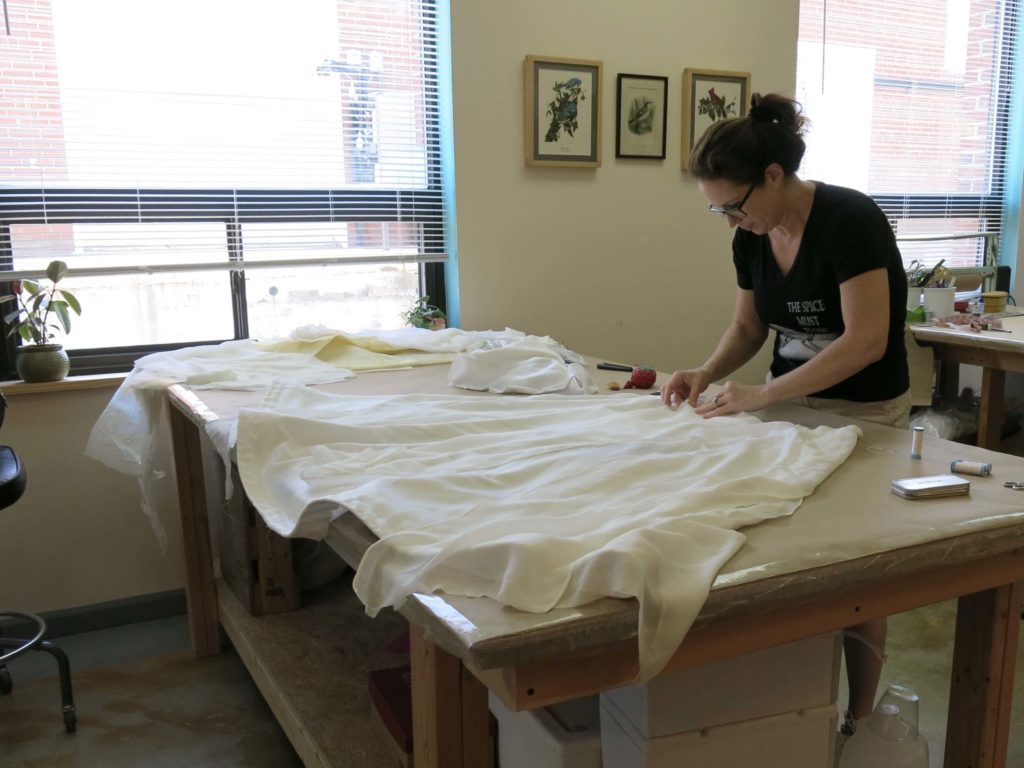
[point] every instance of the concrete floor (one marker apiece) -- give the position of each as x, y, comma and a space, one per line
144, 701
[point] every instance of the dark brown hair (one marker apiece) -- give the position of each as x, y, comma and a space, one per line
740, 148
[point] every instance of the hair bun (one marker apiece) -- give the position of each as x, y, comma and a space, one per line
739, 149
774, 109
760, 111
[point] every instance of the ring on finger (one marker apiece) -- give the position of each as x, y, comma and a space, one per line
715, 400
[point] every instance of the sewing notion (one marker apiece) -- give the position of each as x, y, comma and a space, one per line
931, 487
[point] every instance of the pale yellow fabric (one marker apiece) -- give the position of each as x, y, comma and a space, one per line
357, 354
399, 348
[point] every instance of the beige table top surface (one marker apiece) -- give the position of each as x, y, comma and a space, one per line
995, 340
850, 529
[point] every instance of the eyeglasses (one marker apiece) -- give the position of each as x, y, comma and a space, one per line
733, 211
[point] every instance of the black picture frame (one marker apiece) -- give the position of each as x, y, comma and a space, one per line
641, 120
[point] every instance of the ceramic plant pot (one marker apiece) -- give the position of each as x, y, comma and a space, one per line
42, 362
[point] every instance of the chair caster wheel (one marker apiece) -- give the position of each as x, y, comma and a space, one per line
70, 722
5, 680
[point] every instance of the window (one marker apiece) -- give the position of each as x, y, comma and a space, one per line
909, 102
218, 169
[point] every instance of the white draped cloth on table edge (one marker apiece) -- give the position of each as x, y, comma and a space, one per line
128, 432
538, 502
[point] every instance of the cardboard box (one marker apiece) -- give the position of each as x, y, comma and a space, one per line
804, 739
786, 678
565, 735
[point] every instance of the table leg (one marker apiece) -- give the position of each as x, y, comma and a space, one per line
200, 586
990, 410
449, 709
981, 688
949, 380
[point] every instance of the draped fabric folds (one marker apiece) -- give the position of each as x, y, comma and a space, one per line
536, 502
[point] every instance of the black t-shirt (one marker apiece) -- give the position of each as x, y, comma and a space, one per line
846, 235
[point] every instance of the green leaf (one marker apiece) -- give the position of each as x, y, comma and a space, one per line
72, 302
62, 314
30, 286
56, 270
10, 317
26, 332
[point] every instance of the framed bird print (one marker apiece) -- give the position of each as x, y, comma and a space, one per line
640, 102
563, 112
710, 95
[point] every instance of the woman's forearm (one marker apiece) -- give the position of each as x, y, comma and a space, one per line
839, 361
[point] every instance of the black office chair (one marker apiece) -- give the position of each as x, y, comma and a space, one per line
12, 485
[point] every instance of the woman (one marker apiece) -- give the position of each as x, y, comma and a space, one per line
819, 265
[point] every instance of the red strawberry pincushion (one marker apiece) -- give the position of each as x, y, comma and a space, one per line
641, 378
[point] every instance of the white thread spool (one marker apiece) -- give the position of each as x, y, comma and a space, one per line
964, 467
916, 442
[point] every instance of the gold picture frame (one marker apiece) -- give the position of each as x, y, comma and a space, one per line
562, 116
710, 95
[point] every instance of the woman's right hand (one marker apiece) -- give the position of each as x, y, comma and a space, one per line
685, 386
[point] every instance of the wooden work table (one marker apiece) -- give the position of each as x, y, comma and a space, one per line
995, 351
853, 551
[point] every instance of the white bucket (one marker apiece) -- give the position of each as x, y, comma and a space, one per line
913, 297
939, 301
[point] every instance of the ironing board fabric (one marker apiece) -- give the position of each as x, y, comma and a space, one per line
540, 502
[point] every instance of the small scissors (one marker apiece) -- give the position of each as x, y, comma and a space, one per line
915, 270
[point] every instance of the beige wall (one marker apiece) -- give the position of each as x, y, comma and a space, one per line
621, 262
78, 535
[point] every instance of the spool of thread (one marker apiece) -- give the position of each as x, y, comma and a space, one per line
964, 467
995, 301
916, 442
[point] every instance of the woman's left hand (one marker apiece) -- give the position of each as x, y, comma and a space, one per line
734, 398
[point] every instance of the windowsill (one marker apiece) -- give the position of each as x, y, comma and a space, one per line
70, 384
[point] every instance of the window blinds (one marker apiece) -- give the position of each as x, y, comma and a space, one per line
909, 102
216, 133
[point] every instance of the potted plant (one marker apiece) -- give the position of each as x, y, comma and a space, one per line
41, 311
423, 314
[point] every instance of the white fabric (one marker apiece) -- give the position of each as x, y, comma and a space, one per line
535, 502
528, 367
231, 365
125, 435
122, 437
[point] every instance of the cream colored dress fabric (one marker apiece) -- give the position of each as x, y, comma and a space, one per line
526, 367
536, 502
127, 433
